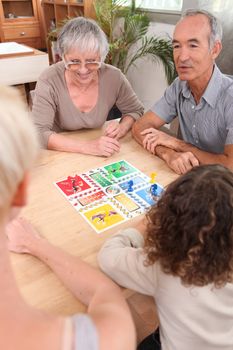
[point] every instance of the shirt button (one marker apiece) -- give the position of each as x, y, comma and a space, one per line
196, 141
194, 126
193, 106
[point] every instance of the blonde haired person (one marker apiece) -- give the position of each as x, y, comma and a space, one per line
108, 319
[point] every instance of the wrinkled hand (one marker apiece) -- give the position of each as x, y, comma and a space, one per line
21, 236
104, 146
181, 162
115, 130
154, 138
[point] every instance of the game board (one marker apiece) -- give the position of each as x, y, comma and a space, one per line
109, 195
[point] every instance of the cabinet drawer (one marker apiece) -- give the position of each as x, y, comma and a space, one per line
32, 42
21, 32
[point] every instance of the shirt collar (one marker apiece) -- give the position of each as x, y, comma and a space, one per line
212, 89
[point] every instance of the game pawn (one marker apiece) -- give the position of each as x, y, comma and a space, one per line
152, 178
154, 192
130, 186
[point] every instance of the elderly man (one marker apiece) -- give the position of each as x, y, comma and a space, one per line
201, 97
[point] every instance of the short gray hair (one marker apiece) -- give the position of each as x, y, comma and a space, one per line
18, 147
215, 25
83, 34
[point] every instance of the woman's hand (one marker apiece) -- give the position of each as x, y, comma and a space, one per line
104, 146
117, 129
22, 236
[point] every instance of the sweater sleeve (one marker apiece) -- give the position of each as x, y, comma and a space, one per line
44, 110
122, 258
127, 101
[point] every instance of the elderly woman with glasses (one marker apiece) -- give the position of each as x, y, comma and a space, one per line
79, 92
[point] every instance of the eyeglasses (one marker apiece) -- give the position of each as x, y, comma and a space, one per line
76, 65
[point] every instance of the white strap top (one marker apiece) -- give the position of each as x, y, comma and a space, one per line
80, 333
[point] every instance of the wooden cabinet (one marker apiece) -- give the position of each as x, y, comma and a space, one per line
19, 21
55, 11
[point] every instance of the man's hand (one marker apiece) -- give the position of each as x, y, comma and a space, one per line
181, 162
154, 137
103, 146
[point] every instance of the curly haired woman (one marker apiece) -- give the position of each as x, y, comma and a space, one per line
185, 261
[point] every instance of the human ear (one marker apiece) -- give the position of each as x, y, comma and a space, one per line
216, 49
20, 197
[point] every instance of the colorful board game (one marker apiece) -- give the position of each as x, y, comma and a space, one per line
111, 194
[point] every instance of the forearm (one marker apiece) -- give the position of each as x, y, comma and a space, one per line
58, 142
136, 132
225, 159
138, 127
164, 152
148, 120
84, 281
127, 122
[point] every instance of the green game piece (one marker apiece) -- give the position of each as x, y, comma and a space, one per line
109, 176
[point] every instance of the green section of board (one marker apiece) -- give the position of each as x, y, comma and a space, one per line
100, 179
120, 169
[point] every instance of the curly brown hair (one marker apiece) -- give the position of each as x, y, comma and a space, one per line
190, 230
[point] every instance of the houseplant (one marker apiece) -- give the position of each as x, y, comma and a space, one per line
126, 28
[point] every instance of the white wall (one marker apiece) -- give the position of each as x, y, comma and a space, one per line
148, 78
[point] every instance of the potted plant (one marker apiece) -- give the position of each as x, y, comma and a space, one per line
52, 39
126, 28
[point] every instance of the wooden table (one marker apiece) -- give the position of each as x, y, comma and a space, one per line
57, 220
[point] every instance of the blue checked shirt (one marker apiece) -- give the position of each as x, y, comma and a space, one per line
208, 125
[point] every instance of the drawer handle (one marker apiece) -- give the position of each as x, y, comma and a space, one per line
22, 33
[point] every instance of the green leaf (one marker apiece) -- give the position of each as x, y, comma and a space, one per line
128, 40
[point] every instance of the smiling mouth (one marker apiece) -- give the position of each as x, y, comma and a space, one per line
84, 76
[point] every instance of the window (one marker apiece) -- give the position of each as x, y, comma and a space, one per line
165, 5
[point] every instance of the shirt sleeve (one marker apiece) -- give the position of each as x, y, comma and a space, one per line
85, 333
166, 108
229, 122
44, 110
127, 101
122, 258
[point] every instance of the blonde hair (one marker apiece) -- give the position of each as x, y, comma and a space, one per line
18, 144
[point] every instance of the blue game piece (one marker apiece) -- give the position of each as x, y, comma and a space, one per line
153, 190
130, 186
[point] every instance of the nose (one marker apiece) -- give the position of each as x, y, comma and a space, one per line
83, 68
183, 54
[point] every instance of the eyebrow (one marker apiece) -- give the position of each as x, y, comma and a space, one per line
193, 40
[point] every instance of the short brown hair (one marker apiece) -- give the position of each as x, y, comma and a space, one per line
190, 231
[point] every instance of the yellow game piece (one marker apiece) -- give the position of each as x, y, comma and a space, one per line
152, 178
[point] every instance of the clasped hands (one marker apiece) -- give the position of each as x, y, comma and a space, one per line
154, 138
108, 144
177, 160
